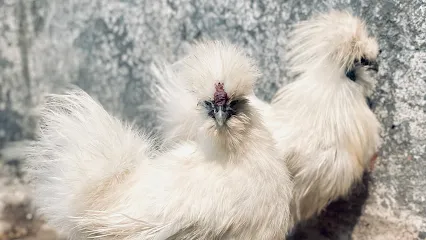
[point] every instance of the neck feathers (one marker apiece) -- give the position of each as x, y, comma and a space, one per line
233, 142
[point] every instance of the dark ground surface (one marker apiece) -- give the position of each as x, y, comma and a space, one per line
107, 49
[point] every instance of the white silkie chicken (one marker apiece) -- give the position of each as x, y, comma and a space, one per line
323, 126
97, 177
321, 122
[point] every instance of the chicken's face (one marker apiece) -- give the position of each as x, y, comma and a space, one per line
221, 108
335, 42
220, 76
361, 69
226, 118
361, 53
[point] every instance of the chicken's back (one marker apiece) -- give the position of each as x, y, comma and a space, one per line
327, 137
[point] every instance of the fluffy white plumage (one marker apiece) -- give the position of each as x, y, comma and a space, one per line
207, 62
95, 176
321, 121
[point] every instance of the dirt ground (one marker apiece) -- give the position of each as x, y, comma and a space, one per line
17, 217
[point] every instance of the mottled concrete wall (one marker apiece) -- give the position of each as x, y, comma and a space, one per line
106, 48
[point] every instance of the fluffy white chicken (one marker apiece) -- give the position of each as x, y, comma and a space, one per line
321, 121
95, 176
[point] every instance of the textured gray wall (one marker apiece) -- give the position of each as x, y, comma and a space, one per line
106, 48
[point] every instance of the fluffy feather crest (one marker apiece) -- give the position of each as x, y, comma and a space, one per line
336, 37
213, 62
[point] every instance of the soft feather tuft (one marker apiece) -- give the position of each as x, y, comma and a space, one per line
336, 38
211, 62
175, 105
81, 152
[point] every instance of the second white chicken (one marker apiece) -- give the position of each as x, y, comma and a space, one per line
322, 123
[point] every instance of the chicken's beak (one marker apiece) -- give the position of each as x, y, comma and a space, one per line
373, 65
369, 65
220, 115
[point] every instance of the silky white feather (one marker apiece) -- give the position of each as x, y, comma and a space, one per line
96, 177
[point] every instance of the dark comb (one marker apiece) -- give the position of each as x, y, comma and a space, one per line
220, 96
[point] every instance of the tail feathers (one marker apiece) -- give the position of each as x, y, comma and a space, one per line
175, 103
81, 154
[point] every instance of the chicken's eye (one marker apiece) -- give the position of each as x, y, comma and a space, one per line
210, 108
235, 106
230, 109
363, 62
366, 62
208, 104
351, 74
233, 103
